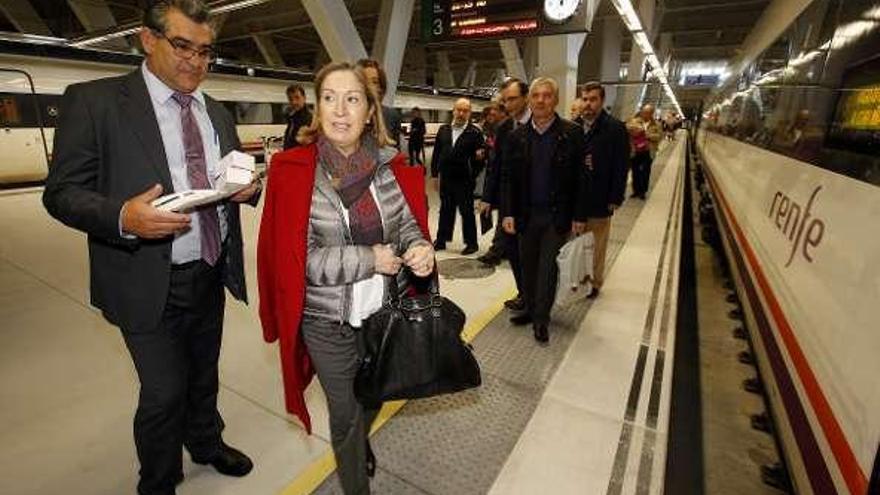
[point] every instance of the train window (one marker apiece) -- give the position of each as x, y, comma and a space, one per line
18, 110
49, 105
814, 95
253, 113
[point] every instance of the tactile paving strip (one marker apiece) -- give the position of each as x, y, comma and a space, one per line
457, 444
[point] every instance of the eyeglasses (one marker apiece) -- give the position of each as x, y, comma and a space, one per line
185, 50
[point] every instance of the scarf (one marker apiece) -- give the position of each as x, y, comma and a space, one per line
351, 177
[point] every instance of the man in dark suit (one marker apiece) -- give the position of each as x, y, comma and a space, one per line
606, 151
514, 94
545, 190
299, 115
120, 143
455, 164
417, 131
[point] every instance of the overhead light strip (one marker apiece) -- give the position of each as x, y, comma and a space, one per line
630, 18
132, 28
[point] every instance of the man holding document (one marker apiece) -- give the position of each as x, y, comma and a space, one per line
120, 144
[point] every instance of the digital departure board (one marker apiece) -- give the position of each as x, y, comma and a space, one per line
458, 20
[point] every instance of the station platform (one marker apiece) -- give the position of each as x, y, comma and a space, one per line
586, 414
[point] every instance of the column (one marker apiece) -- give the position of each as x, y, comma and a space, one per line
558, 58
336, 29
513, 61
390, 40
609, 68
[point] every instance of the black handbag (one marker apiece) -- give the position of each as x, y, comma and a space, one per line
412, 348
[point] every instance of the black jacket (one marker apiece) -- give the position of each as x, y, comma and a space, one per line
457, 163
295, 121
492, 184
608, 143
108, 148
569, 184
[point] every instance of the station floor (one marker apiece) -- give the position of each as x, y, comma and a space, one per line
586, 414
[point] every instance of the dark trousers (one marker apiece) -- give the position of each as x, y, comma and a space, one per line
416, 151
336, 357
457, 195
539, 245
177, 368
641, 172
508, 245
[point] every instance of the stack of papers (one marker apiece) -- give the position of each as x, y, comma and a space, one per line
236, 173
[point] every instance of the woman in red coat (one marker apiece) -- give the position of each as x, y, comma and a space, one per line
344, 221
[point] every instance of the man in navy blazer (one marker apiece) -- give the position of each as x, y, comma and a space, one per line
121, 143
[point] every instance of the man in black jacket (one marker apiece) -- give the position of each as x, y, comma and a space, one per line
605, 157
545, 192
455, 162
417, 131
514, 96
299, 115
160, 276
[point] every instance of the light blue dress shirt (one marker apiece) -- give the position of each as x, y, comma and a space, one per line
187, 245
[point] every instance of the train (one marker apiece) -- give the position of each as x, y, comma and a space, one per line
790, 151
33, 77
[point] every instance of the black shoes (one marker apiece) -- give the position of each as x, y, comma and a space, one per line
541, 333
594, 293
515, 304
439, 246
228, 461
469, 250
523, 319
490, 258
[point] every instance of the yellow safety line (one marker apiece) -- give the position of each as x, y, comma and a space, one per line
311, 478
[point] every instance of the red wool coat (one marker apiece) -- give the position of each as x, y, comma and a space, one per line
281, 258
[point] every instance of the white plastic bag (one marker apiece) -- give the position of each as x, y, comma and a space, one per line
575, 262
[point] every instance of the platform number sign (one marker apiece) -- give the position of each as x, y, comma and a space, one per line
461, 20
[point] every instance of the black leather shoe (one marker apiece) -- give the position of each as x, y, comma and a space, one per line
179, 479
439, 246
541, 333
515, 304
228, 461
490, 258
371, 461
594, 293
469, 250
523, 319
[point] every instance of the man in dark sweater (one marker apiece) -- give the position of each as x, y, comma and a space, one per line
545, 191
606, 149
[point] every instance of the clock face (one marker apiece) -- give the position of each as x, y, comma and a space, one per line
559, 11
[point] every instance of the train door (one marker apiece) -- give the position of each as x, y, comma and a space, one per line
23, 143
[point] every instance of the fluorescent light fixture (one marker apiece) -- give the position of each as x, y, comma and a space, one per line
631, 19
105, 37
243, 4
132, 29
641, 40
628, 14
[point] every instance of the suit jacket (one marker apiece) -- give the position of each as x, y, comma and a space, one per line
295, 121
108, 148
608, 143
569, 183
492, 184
457, 163
282, 258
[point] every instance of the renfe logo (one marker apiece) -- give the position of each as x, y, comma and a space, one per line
803, 230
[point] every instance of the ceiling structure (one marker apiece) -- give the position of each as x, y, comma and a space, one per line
699, 29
